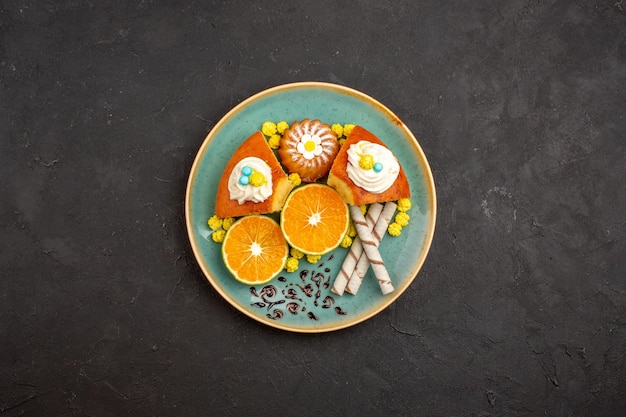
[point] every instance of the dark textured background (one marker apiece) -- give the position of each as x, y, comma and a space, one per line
520, 309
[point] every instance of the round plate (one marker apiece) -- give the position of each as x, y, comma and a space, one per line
302, 301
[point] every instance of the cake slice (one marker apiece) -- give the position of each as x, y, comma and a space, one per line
253, 181
365, 171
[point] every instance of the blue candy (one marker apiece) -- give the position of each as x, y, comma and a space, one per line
378, 167
246, 170
244, 180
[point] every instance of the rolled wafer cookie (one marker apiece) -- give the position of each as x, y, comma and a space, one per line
371, 250
356, 251
363, 264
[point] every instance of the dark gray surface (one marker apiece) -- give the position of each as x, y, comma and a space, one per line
519, 310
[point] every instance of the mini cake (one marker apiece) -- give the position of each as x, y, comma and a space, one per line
253, 181
308, 149
366, 171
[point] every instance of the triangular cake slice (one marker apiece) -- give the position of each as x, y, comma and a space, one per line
263, 191
366, 171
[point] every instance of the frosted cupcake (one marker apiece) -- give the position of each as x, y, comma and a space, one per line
308, 148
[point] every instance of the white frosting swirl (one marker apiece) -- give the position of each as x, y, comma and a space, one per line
369, 179
243, 193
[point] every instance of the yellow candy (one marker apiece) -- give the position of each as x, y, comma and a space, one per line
402, 218
309, 146
394, 229
312, 259
366, 161
296, 253
257, 179
292, 264
268, 128
294, 178
351, 230
346, 242
218, 236
215, 223
338, 129
282, 126
274, 141
363, 208
347, 129
228, 221
404, 204
342, 141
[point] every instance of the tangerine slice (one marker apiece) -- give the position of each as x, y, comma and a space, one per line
254, 250
314, 219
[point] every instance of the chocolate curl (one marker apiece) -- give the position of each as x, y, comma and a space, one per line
378, 233
371, 250
356, 250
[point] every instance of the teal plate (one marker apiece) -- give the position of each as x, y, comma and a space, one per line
301, 301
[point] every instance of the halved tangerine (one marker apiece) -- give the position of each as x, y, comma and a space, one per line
314, 219
255, 250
